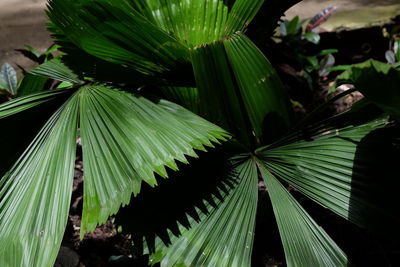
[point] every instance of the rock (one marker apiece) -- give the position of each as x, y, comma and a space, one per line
67, 258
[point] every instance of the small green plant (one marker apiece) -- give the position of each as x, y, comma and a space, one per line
38, 57
372, 74
153, 83
32, 81
294, 41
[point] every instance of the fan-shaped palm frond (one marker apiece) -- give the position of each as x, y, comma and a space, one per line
203, 225
342, 170
115, 32
180, 33
125, 138
18, 105
39, 184
152, 37
305, 243
199, 22
56, 70
31, 84
224, 236
236, 72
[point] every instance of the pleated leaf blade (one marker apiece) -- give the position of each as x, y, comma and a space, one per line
31, 84
348, 170
222, 236
56, 70
115, 32
35, 194
260, 87
239, 90
20, 121
25, 103
125, 139
304, 241
242, 13
199, 22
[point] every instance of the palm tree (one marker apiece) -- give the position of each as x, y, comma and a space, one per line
150, 80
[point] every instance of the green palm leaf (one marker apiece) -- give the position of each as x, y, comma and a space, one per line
210, 225
35, 81
115, 32
348, 170
372, 74
88, 66
187, 97
39, 184
239, 90
225, 236
31, 84
125, 139
242, 13
20, 121
151, 36
195, 22
56, 70
264, 100
24, 103
199, 22
305, 243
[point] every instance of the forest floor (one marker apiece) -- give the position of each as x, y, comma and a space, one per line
22, 22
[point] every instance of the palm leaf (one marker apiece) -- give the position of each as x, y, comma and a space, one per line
348, 170
117, 35
88, 66
195, 22
210, 225
125, 139
305, 243
225, 72
115, 32
199, 22
372, 74
141, 34
56, 70
31, 84
242, 13
265, 98
20, 121
40, 181
187, 97
24, 103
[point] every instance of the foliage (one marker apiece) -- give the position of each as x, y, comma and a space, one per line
295, 42
393, 54
372, 74
31, 81
8, 79
127, 64
38, 57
